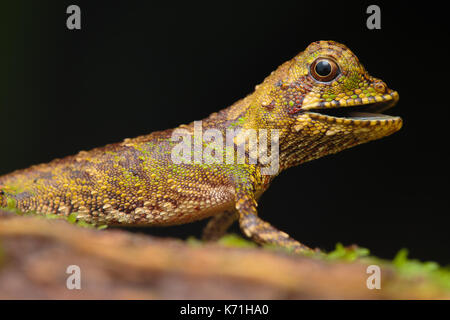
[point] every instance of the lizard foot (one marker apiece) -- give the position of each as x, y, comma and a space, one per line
263, 233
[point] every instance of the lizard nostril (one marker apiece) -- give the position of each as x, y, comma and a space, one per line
380, 87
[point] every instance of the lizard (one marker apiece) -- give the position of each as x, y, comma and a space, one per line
318, 103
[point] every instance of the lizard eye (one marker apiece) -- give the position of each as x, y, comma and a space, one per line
324, 69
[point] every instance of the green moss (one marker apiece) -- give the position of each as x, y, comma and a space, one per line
11, 209
430, 272
412, 268
346, 253
233, 240
404, 267
50, 216
72, 218
194, 242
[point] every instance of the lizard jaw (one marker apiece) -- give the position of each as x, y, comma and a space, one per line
360, 112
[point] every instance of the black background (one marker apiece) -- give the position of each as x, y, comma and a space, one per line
137, 67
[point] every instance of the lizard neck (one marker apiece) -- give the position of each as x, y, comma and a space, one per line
265, 110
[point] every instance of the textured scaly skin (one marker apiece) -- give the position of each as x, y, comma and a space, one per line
135, 182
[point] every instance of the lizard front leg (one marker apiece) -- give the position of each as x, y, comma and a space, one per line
259, 230
218, 225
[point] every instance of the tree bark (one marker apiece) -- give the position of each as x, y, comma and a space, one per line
35, 253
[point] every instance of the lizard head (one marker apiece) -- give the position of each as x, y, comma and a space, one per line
331, 101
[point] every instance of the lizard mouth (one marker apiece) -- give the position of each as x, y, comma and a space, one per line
359, 111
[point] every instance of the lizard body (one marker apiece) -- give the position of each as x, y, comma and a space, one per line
311, 102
